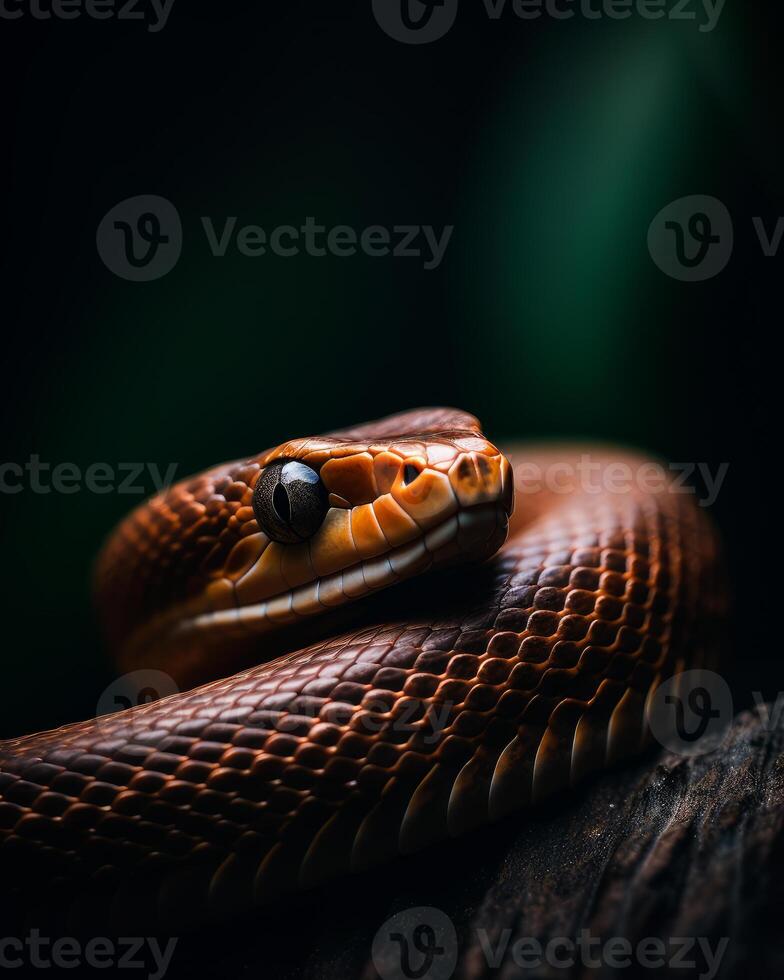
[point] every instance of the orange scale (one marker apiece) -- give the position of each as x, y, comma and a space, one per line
408, 449
333, 547
264, 579
220, 594
386, 467
351, 477
440, 453
429, 499
368, 537
397, 526
296, 566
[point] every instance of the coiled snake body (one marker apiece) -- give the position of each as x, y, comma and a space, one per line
453, 700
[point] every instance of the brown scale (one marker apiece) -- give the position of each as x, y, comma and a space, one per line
442, 707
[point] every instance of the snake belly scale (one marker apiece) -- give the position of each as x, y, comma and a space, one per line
515, 675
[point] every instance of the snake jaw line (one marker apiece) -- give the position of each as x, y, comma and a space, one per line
461, 536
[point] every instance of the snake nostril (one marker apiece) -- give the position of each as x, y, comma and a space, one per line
410, 473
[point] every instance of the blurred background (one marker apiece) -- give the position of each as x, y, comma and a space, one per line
549, 145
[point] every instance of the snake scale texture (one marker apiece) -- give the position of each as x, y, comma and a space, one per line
494, 680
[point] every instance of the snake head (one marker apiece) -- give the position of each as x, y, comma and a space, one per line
307, 526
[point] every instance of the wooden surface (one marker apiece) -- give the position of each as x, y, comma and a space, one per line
672, 849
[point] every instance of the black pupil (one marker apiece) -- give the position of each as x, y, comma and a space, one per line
280, 501
289, 501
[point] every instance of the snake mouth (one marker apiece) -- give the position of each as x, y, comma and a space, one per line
475, 532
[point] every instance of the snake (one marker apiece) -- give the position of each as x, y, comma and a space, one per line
325, 722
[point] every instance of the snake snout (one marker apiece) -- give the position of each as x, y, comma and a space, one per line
479, 478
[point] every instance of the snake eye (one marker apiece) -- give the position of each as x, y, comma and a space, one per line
289, 501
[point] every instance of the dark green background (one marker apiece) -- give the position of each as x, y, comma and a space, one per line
548, 145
